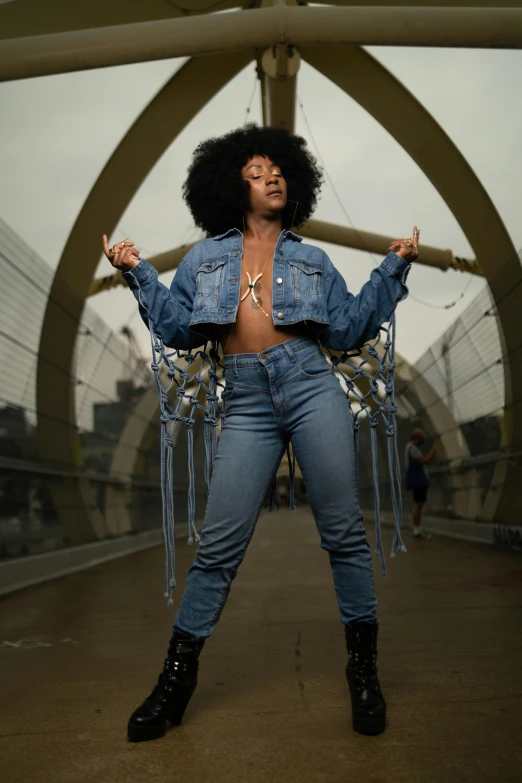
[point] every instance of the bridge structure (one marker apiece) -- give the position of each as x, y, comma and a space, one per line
219, 40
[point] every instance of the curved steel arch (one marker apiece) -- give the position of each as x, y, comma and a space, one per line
152, 133
377, 91
370, 84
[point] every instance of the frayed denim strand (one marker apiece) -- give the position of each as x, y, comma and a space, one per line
291, 477
184, 388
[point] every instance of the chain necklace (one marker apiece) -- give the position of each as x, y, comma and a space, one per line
250, 290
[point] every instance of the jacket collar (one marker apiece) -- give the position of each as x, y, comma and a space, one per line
285, 234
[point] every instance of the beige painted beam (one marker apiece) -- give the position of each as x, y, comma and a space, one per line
378, 244
318, 230
279, 66
259, 28
163, 262
41, 17
280, 96
428, 3
25, 17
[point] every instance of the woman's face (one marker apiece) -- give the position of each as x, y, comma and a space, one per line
268, 191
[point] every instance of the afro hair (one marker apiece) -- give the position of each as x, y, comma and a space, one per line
218, 196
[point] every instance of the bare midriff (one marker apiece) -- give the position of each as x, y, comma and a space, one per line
252, 331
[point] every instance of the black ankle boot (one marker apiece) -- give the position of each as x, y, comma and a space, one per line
172, 693
368, 705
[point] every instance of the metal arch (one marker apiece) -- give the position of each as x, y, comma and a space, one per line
482, 212
418, 391
363, 78
152, 133
124, 460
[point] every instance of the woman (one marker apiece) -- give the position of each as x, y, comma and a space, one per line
268, 299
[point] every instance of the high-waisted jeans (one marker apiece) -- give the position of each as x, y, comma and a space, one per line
287, 393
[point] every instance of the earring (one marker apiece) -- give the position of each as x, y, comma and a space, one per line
244, 227
295, 210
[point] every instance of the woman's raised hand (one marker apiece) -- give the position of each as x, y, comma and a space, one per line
123, 255
406, 248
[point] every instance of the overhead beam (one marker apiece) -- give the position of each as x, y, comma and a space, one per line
27, 17
429, 3
22, 58
163, 262
379, 244
323, 232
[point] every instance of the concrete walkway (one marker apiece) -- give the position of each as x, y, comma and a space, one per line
272, 703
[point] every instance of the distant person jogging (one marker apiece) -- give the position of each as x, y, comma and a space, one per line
417, 479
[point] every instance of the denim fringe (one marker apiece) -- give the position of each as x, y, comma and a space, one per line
171, 416
272, 503
379, 401
291, 475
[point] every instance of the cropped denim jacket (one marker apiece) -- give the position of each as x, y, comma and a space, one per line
306, 289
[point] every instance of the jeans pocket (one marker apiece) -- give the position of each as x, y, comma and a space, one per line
316, 366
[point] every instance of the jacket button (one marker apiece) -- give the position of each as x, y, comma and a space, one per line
279, 280
280, 316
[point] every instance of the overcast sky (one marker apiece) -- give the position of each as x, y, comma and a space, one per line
57, 132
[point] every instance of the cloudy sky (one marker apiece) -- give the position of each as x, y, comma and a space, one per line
57, 133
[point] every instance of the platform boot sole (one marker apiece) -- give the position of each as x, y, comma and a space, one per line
363, 724
145, 733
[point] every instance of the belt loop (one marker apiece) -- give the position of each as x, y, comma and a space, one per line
234, 360
289, 351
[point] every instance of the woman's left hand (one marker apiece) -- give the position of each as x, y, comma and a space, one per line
406, 248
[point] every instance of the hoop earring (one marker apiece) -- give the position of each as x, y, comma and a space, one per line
244, 227
295, 210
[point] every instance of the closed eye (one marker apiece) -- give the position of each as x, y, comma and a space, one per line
258, 176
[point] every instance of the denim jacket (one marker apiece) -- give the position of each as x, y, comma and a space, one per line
306, 287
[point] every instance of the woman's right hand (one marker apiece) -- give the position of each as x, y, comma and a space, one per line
123, 255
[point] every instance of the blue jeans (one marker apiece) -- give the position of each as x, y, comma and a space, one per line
287, 393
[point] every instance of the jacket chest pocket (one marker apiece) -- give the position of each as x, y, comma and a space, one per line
209, 280
306, 279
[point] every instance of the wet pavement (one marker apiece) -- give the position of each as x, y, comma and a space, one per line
78, 654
